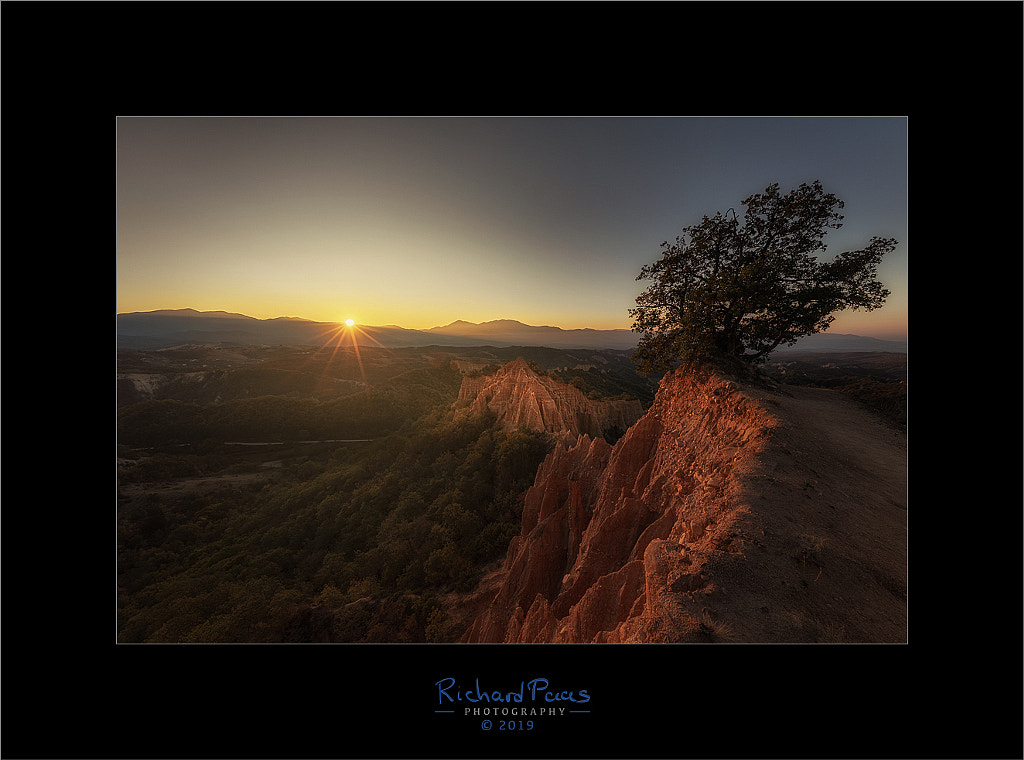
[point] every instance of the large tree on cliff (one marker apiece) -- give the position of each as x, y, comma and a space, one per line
744, 287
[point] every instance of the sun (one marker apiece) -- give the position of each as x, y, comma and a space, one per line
350, 322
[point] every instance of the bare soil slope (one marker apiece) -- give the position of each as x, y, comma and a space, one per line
729, 513
521, 397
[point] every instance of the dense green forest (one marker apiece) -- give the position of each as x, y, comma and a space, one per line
356, 545
332, 542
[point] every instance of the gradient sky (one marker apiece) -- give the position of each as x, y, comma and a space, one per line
418, 222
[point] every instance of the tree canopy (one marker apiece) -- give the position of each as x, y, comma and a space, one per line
743, 287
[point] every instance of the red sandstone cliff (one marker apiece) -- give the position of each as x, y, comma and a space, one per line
519, 396
726, 513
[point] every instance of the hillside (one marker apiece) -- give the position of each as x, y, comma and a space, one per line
336, 539
520, 397
245, 474
270, 494
730, 512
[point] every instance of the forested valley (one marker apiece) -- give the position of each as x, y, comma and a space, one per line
274, 495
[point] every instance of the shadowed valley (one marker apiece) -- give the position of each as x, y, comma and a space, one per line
276, 494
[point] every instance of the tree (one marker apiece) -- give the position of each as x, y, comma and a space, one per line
728, 287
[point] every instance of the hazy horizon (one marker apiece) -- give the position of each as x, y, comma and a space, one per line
894, 337
420, 222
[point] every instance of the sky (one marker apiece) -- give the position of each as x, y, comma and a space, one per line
421, 221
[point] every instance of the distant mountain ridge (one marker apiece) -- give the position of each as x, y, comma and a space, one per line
510, 330
194, 313
829, 342
166, 328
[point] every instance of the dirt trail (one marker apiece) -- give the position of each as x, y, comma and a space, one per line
834, 428
827, 502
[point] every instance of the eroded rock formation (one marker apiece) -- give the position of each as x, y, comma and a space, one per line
521, 397
726, 513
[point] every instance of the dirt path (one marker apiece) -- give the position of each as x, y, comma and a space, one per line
827, 499
831, 428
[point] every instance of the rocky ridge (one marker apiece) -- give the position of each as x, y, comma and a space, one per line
728, 513
521, 397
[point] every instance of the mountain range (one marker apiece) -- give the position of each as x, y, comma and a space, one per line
153, 330
172, 327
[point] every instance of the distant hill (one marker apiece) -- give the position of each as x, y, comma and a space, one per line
511, 332
519, 397
149, 330
194, 313
173, 327
841, 342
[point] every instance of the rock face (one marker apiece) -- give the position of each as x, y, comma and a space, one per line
519, 396
726, 513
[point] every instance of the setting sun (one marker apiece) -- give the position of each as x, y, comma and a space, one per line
350, 322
